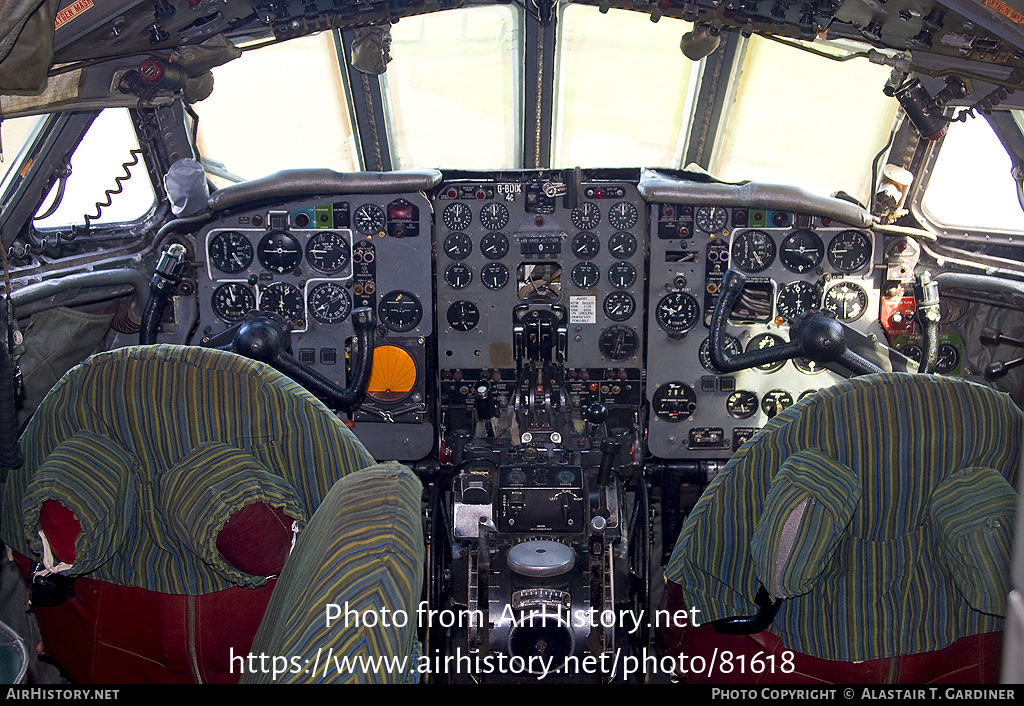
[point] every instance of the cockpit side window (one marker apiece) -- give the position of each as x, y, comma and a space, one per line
17, 135
613, 112
279, 107
99, 164
970, 187
452, 91
804, 119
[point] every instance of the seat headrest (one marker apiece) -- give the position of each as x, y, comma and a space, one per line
210, 487
973, 513
810, 503
90, 476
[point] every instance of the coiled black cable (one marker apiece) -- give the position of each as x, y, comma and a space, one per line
108, 195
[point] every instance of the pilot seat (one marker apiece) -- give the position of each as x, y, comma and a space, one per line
170, 494
863, 536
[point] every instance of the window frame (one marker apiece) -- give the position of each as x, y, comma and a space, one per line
518, 79
915, 204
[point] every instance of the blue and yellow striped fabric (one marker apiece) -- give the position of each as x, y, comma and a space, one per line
888, 589
130, 417
361, 553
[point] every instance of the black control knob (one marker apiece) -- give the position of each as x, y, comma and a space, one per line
595, 413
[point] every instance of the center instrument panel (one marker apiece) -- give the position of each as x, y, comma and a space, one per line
612, 293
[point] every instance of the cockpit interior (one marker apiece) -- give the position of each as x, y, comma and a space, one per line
512, 341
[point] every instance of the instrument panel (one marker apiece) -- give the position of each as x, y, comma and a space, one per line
793, 262
312, 263
612, 292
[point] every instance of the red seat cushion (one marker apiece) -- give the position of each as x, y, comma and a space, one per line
762, 658
110, 634
257, 539
61, 528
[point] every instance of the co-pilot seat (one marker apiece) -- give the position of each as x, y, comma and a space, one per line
876, 519
167, 484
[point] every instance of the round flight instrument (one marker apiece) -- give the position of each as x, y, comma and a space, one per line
753, 250
392, 375
586, 245
230, 251
774, 401
912, 351
400, 311
711, 219
327, 252
586, 217
730, 343
622, 245
618, 342
677, 312
622, 275
369, 219
463, 315
586, 274
285, 300
808, 366
846, 301
494, 246
948, 359
619, 306
623, 215
279, 252
741, 404
329, 303
674, 401
797, 297
849, 251
232, 301
458, 275
458, 246
801, 251
494, 216
766, 340
457, 216
494, 275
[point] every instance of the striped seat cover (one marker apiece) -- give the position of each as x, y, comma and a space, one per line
882, 510
155, 447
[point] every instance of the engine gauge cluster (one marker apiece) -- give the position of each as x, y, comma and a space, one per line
505, 242
502, 244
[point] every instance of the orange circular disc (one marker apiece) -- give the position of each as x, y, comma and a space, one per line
393, 374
